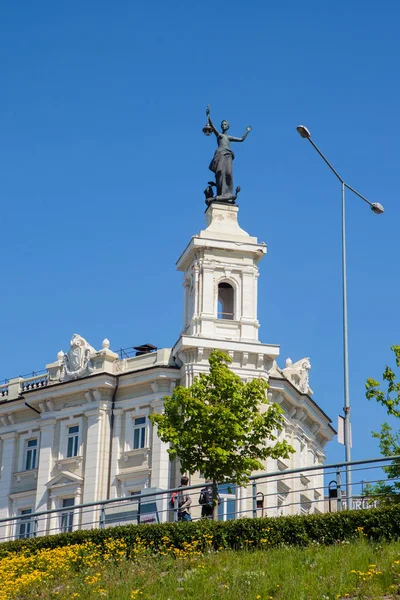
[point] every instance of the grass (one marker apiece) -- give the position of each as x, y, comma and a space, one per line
359, 569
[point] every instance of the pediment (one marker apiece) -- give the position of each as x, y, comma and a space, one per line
64, 478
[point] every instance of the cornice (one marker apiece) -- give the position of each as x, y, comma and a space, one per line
300, 397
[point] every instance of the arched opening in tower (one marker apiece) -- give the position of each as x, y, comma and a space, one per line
226, 295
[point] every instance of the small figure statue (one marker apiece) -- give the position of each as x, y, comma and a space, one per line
221, 163
209, 192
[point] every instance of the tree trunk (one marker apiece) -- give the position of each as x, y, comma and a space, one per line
215, 501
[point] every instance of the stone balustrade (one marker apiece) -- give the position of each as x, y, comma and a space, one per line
34, 382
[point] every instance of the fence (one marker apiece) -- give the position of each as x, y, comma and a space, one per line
308, 490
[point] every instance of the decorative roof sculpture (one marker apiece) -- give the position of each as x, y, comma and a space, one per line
221, 163
298, 374
77, 361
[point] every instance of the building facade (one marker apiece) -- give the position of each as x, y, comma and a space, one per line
80, 431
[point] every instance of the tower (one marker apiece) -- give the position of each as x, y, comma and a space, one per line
220, 279
220, 267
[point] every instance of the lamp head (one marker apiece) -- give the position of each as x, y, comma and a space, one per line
377, 208
303, 131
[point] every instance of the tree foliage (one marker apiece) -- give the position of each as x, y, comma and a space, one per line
221, 426
389, 440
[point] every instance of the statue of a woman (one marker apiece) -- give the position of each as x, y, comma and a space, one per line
221, 163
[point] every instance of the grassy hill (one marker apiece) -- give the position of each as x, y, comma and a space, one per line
255, 559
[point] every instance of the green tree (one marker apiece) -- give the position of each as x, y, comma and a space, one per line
389, 440
218, 425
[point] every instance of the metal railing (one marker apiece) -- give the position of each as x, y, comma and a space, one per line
308, 490
26, 376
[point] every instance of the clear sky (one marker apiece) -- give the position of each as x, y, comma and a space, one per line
103, 165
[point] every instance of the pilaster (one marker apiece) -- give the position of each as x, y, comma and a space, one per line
77, 522
160, 463
270, 489
207, 300
93, 478
160, 459
116, 451
299, 444
45, 465
54, 519
9, 446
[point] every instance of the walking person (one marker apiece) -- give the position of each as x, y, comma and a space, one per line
184, 501
206, 500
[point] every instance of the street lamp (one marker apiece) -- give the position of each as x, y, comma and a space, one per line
378, 210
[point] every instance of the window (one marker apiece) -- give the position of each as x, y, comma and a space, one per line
31, 455
25, 529
67, 518
283, 497
305, 505
225, 301
139, 433
227, 506
73, 441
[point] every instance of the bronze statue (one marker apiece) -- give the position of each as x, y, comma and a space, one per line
221, 163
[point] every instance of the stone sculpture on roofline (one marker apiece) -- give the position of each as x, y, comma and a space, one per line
221, 163
298, 374
77, 361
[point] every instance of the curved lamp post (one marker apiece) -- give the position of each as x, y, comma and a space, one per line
378, 210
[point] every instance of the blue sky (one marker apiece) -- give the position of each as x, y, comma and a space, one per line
103, 164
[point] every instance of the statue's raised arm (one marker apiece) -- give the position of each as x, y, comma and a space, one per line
215, 130
241, 139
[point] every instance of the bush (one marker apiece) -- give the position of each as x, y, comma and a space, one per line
373, 524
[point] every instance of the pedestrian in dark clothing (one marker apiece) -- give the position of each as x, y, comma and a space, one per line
206, 501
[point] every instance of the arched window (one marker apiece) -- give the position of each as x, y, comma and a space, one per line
226, 296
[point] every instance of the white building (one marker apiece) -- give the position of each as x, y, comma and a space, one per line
80, 432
